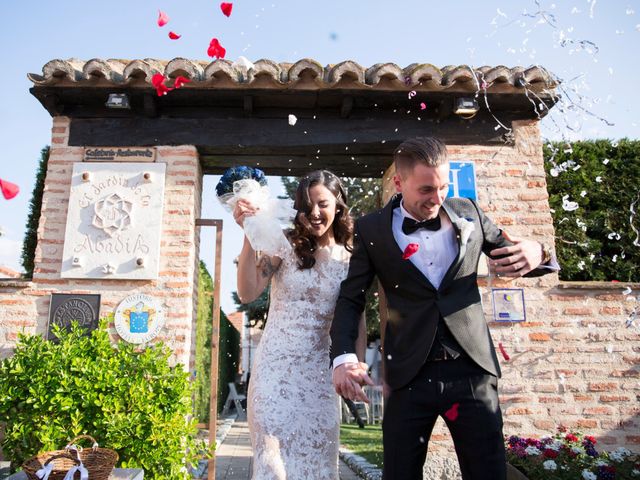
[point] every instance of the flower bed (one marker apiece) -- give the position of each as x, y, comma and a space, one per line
570, 455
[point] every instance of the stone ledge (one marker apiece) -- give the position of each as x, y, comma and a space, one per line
15, 283
608, 286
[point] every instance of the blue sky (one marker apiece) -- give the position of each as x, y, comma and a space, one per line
588, 44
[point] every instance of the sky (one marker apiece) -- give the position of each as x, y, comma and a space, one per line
587, 44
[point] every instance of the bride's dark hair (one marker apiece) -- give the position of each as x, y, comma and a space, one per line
301, 236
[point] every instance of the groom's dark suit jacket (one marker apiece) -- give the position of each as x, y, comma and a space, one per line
414, 304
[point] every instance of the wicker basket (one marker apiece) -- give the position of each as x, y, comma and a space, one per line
98, 461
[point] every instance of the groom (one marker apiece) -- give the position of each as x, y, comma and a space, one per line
438, 354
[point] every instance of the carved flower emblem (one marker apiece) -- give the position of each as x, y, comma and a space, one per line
112, 214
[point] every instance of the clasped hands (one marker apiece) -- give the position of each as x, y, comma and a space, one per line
521, 257
349, 378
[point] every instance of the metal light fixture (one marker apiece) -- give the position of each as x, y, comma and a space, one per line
118, 100
466, 107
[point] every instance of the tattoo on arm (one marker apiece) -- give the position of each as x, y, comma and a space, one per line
266, 267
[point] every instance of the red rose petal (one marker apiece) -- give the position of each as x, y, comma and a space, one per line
180, 81
163, 18
452, 413
9, 190
504, 352
215, 49
174, 36
226, 8
410, 250
158, 82
157, 79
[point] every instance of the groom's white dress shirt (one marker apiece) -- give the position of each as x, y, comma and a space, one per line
437, 251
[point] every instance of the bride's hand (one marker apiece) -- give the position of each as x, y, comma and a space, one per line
242, 210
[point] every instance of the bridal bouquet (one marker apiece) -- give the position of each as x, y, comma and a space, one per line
264, 230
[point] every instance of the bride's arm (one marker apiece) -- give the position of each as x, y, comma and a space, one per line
254, 273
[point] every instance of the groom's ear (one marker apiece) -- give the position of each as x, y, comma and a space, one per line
397, 181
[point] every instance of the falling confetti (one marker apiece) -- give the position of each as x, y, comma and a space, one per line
215, 49
412, 94
452, 413
9, 190
158, 81
568, 205
503, 352
411, 249
292, 120
180, 81
423, 106
174, 36
163, 18
226, 8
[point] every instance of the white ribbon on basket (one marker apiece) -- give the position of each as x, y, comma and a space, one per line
84, 473
44, 472
264, 230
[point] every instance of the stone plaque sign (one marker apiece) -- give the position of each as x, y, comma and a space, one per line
119, 154
139, 318
114, 221
66, 308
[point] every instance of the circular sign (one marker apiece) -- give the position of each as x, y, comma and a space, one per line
139, 318
74, 309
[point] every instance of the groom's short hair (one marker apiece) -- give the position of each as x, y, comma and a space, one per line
426, 150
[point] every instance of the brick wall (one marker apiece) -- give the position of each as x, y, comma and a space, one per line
25, 306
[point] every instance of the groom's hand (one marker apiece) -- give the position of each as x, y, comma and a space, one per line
348, 380
520, 258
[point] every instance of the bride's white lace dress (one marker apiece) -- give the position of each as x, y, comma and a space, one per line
293, 410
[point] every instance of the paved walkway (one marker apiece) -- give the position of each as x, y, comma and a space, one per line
234, 458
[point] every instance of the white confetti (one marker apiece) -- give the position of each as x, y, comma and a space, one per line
614, 259
605, 161
568, 205
599, 179
581, 264
613, 235
627, 291
609, 348
292, 120
583, 193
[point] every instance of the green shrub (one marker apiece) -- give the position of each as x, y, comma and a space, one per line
599, 239
129, 399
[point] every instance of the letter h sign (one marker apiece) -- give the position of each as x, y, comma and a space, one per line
462, 180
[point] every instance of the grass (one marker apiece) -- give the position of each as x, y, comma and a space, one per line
365, 442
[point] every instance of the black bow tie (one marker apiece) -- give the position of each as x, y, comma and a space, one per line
409, 225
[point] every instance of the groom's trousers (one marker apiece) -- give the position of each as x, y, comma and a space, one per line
475, 424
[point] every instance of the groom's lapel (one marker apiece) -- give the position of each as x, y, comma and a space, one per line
462, 247
394, 248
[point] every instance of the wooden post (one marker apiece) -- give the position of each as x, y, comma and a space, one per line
215, 336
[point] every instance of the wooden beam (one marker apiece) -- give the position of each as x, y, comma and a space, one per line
362, 133
347, 106
150, 105
248, 105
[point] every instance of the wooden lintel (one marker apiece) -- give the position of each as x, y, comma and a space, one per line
347, 106
248, 105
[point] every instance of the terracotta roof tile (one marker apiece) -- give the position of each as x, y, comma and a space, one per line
269, 74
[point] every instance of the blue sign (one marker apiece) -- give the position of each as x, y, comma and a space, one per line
139, 322
462, 180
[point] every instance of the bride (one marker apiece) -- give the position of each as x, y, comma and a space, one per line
292, 408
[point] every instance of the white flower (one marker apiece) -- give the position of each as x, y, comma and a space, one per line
587, 475
616, 456
466, 227
601, 463
577, 450
550, 465
531, 450
555, 446
623, 451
